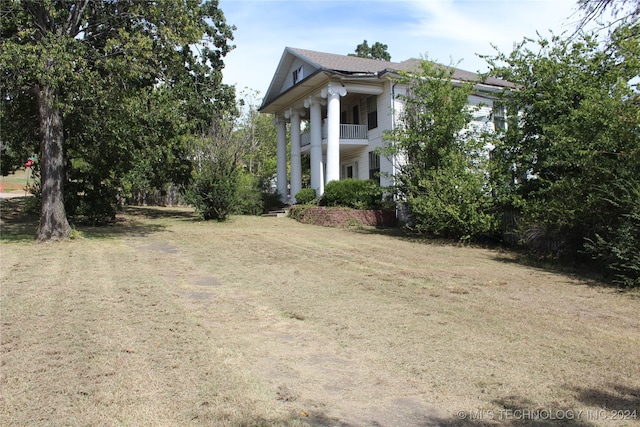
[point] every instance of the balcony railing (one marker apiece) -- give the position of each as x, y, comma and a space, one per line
346, 132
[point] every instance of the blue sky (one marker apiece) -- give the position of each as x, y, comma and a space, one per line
447, 31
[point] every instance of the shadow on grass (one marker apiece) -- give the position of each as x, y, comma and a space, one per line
516, 412
619, 400
323, 420
18, 225
614, 403
512, 411
159, 212
506, 254
581, 272
139, 221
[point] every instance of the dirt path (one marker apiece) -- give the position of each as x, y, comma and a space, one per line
263, 322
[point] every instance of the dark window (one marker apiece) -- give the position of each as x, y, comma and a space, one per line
349, 171
298, 75
372, 112
356, 115
499, 117
374, 166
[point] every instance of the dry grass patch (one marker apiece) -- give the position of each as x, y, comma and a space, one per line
164, 320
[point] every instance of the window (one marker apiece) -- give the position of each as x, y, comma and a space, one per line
372, 112
350, 170
298, 75
374, 166
356, 115
499, 117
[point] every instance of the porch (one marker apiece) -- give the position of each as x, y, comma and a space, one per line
351, 136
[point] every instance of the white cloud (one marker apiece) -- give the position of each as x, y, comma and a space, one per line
443, 30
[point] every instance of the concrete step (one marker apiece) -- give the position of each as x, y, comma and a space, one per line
277, 213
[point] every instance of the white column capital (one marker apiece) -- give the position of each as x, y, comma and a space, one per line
293, 111
278, 119
313, 100
333, 89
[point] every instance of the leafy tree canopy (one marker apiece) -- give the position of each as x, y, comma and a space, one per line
574, 136
376, 51
101, 91
441, 177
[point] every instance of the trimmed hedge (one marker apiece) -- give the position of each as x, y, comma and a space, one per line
353, 193
305, 196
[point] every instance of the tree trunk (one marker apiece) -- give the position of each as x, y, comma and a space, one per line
53, 218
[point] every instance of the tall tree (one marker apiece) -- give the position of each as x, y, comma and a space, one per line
87, 67
258, 130
441, 178
574, 135
376, 51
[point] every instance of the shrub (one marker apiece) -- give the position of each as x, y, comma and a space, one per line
213, 190
353, 193
249, 196
306, 196
271, 200
451, 205
614, 248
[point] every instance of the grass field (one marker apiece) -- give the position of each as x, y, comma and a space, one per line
16, 182
163, 320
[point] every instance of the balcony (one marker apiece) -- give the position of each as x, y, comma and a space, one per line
349, 134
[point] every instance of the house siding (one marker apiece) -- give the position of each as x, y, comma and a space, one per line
376, 136
360, 80
307, 70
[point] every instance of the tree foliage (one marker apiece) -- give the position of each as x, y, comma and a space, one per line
574, 136
213, 189
375, 51
353, 193
229, 176
113, 90
441, 178
260, 135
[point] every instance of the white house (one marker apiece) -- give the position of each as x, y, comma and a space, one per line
348, 103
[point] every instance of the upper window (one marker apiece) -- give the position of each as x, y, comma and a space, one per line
499, 117
298, 75
372, 112
356, 114
374, 166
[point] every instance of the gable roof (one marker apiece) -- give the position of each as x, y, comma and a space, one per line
341, 63
353, 66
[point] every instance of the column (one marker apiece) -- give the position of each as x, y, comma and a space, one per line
333, 93
296, 163
281, 175
315, 106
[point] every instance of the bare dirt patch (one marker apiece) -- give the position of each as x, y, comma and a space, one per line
266, 321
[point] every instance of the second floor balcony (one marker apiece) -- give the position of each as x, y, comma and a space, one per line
349, 134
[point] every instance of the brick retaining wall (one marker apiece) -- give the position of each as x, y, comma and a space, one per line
343, 217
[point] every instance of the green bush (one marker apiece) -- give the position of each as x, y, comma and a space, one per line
249, 196
614, 248
451, 205
90, 203
353, 193
213, 191
306, 196
271, 200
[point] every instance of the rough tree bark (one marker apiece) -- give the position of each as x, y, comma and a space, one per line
53, 218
